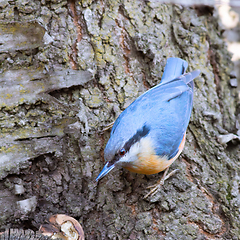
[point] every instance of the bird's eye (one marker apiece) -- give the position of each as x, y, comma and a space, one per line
122, 152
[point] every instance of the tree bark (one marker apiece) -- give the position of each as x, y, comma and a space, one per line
70, 68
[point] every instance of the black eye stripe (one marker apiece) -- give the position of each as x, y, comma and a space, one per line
135, 138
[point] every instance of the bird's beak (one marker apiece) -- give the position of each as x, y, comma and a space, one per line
106, 170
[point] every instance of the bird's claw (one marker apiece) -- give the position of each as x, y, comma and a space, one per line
155, 188
107, 127
160, 183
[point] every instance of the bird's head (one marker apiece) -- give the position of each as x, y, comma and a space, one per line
120, 152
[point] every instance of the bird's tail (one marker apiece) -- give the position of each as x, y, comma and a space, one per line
188, 77
174, 68
175, 72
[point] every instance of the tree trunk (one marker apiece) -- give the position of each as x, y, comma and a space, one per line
70, 68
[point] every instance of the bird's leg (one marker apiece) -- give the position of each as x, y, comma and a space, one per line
160, 182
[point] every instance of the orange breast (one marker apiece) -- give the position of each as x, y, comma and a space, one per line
149, 163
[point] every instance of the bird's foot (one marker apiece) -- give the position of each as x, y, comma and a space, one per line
160, 183
107, 127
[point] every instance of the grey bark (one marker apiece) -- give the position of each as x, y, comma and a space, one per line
19, 234
67, 70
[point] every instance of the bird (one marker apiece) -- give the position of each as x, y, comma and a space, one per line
149, 135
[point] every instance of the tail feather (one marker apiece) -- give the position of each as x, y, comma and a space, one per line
188, 77
174, 68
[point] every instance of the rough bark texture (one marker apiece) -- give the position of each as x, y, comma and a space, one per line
51, 144
19, 234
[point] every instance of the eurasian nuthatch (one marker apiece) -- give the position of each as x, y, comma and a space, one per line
149, 135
